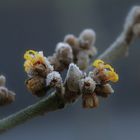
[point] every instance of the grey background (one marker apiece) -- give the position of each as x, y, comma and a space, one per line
40, 25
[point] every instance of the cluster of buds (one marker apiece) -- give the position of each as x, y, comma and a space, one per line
6, 96
83, 47
43, 71
40, 72
97, 84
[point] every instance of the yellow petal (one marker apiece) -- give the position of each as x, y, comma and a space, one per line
107, 66
97, 62
113, 76
29, 54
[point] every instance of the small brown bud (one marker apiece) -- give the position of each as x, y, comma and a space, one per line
104, 90
6, 96
40, 70
73, 42
37, 86
90, 100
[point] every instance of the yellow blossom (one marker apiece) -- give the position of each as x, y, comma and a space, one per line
107, 69
32, 58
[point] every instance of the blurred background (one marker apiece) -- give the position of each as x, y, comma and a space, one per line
40, 25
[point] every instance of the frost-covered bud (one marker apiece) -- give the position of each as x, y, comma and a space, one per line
74, 75
62, 57
2, 80
39, 70
54, 79
64, 53
90, 101
87, 38
37, 86
87, 85
73, 42
6, 96
42, 70
104, 90
49, 67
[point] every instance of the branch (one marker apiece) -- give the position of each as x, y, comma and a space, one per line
50, 103
55, 101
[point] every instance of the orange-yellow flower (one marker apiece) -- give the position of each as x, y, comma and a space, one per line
32, 58
107, 69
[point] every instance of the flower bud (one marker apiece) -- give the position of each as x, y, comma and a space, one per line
104, 90
87, 85
64, 53
74, 74
6, 96
90, 100
62, 57
37, 86
73, 77
87, 38
54, 79
73, 42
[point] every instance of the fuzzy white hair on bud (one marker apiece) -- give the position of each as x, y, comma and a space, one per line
61, 46
87, 85
88, 35
74, 74
49, 66
54, 79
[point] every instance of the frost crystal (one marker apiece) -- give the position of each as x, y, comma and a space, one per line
54, 79
61, 46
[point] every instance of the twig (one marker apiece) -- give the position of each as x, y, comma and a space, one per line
50, 103
54, 101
